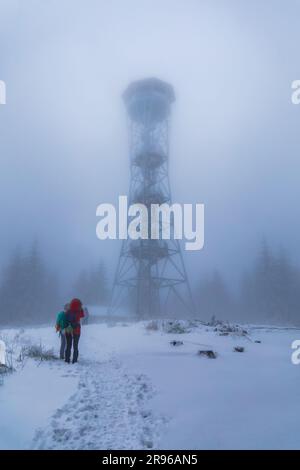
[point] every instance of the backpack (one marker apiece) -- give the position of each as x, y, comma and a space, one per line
71, 321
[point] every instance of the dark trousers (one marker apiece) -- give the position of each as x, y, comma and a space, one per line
62, 345
72, 339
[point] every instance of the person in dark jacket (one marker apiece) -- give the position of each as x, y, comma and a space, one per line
60, 327
73, 329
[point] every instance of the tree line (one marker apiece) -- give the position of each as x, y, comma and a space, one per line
30, 292
268, 293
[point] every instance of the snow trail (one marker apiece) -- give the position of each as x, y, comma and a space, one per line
109, 410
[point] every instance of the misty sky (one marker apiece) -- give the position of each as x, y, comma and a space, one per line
235, 142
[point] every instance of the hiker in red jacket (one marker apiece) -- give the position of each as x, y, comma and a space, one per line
73, 329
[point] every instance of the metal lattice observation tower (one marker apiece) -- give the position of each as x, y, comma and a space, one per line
151, 279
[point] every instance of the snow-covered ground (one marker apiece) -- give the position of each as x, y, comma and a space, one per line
133, 390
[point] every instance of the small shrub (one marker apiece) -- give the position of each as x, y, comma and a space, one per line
39, 352
152, 326
176, 343
225, 329
239, 349
208, 353
175, 327
4, 369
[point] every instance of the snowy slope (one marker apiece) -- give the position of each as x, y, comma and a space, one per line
132, 389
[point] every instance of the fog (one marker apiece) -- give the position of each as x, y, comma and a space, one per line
234, 132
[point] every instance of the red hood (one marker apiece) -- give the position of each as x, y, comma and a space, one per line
75, 305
